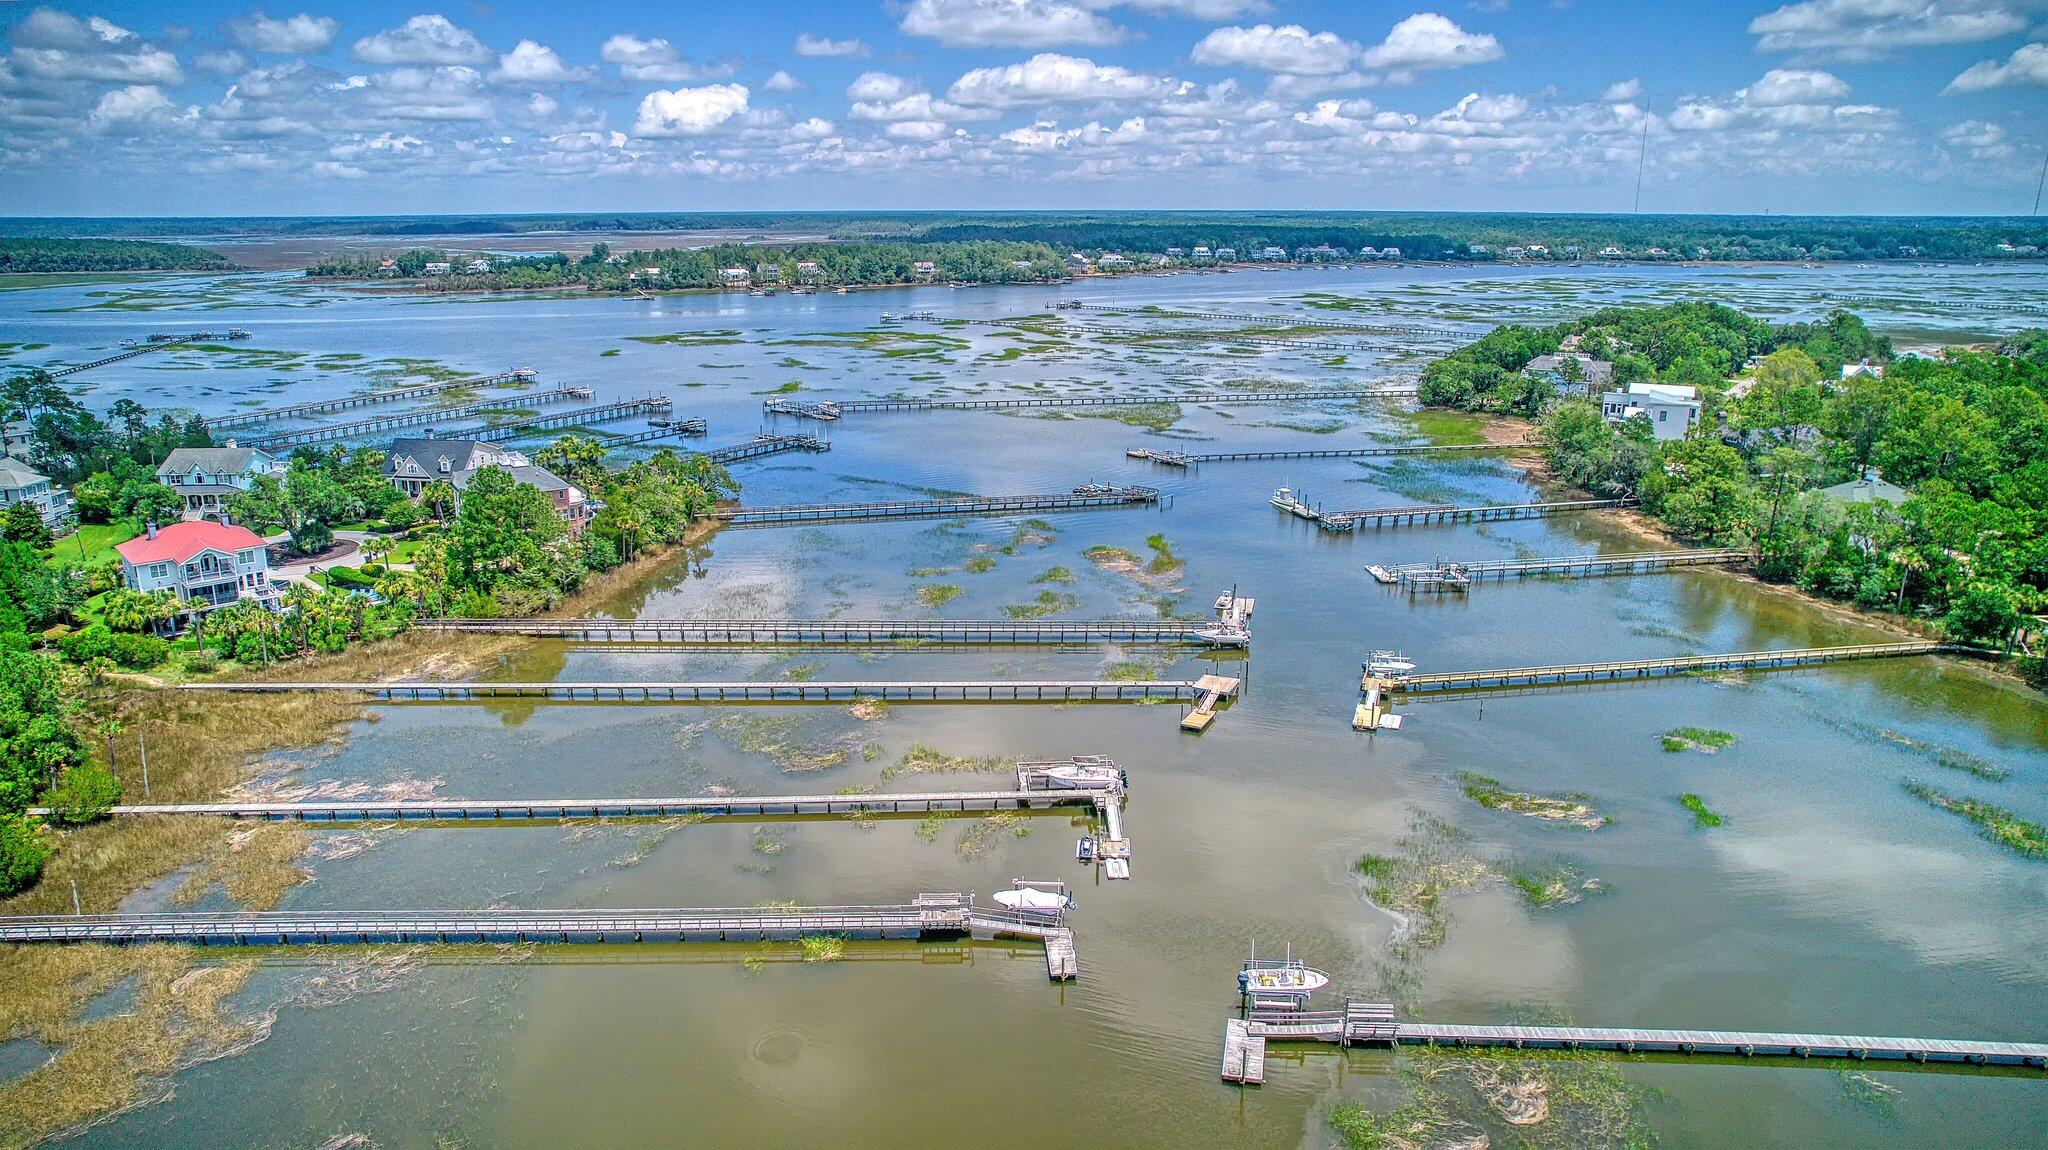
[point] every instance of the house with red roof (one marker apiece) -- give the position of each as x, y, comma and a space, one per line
205, 564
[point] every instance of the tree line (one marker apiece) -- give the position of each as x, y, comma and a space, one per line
44, 254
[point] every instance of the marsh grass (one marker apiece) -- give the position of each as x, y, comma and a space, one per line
924, 760
2018, 835
1700, 739
1061, 575
1554, 884
938, 594
1045, 603
1701, 814
822, 947
1573, 809
255, 867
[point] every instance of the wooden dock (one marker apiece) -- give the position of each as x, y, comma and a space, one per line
1453, 576
659, 430
927, 916
1210, 691
1003, 691
1183, 459
117, 357
832, 410
1563, 674
365, 399
581, 417
398, 421
1244, 1040
1081, 499
1448, 512
856, 632
762, 446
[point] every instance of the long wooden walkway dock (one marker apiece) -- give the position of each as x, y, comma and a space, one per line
359, 428
1453, 576
129, 353
660, 430
1080, 499
1563, 674
1245, 1039
833, 409
581, 417
365, 399
854, 632
1185, 459
762, 446
1448, 512
998, 691
926, 916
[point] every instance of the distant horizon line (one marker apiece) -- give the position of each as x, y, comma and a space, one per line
908, 212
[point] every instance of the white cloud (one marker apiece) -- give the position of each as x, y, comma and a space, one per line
689, 111
1623, 92
124, 107
1007, 23
1871, 29
654, 61
541, 105
811, 129
1290, 49
886, 98
783, 82
1780, 87
532, 63
52, 45
332, 170
300, 35
1427, 40
1700, 116
917, 130
1193, 9
1982, 139
225, 62
427, 39
2028, 65
1046, 138
809, 45
1050, 78
879, 87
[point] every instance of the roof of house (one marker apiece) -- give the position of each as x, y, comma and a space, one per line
1870, 489
422, 457
14, 473
540, 477
179, 542
1595, 370
220, 460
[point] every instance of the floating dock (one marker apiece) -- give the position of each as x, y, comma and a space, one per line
1080, 499
1005, 691
1451, 576
1210, 691
1447, 512
581, 417
855, 632
927, 916
365, 399
360, 428
1564, 674
1183, 459
832, 410
1375, 1024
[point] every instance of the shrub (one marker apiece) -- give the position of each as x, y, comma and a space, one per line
2034, 669
139, 652
84, 793
134, 652
23, 847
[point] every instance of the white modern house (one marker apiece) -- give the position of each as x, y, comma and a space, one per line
20, 483
1672, 409
205, 477
204, 564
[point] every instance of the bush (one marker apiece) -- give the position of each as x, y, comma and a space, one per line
134, 652
84, 793
349, 577
23, 847
2034, 669
139, 652
204, 661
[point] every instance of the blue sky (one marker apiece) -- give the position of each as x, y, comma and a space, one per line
305, 107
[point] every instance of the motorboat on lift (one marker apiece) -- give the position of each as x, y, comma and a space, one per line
1388, 665
1284, 978
1031, 898
1080, 776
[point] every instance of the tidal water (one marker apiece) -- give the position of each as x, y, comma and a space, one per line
1830, 900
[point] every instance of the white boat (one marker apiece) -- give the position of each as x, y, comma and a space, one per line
1388, 664
1032, 898
1080, 777
1288, 978
1224, 635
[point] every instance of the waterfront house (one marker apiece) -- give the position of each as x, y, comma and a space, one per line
1202, 254
1870, 487
1518, 252
1593, 374
1390, 253
1176, 253
204, 564
477, 267
1226, 255
808, 271
1671, 409
571, 503
206, 477
1114, 260
735, 277
438, 268
767, 273
1610, 252
925, 269
20, 483
1270, 254
17, 438
411, 464
1865, 369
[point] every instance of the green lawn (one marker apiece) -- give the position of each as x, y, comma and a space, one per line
93, 543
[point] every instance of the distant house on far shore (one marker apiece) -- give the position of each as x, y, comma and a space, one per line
1871, 488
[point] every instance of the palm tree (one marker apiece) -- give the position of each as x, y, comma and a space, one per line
377, 547
439, 499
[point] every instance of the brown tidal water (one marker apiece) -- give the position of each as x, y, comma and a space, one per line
1830, 901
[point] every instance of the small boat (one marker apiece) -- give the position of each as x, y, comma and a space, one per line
1388, 665
1079, 777
1084, 851
1285, 978
1382, 573
1031, 898
1094, 489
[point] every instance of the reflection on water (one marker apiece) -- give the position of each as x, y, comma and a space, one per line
1829, 900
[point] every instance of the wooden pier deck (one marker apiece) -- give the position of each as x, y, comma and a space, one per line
1245, 1040
1003, 691
1447, 512
832, 410
1184, 459
397, 421
1456, 576
1077, 500
927, 916
762, 446
129, 353
581, 417
365, 399
1563, 674
854, 632
660, 430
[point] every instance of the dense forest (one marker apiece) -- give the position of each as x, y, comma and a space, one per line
95, 255
1965, 435
1420, 235
837, 263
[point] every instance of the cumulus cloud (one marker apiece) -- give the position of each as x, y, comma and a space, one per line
655, 61
125, 107
1982, 139
1427, 40
1871, 29
1007, 23
1047, 137
1050, 78
1290, 49
532, 63
689, 111
782, 82
2027, 66
427, 39
52, 45
224, 62
1193, 9
1781, 87
300, 35
814, 128
451, 93
809, 45
917, 130
885, 98
1622, 92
